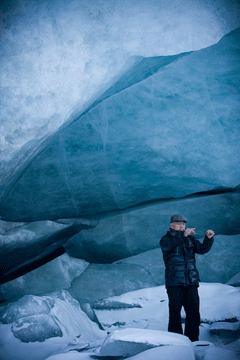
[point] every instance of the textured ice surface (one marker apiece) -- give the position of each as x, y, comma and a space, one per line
31, 328
27, 247
216, 266
133, 341
235, 280
56, 55
99, 281
36, 327
22, 233
25, 307
152, 261
173, 133
137, 230
53, 276
222, 261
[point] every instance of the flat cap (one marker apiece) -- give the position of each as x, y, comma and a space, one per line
177, 218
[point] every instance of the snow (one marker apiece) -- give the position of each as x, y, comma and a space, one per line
132, 341
225, 326
208, 351
155, 338
140, 332
226, 304
73, 355
217, 302
51, 324
166, 353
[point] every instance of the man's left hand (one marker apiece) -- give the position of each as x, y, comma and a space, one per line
210, 233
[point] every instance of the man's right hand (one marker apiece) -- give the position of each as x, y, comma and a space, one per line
189, 231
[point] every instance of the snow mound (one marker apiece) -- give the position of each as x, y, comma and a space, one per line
73, 355
37, 327
129, 342
218, 302
166, 353
227, 332
208, 351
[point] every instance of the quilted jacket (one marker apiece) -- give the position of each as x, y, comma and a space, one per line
179, 257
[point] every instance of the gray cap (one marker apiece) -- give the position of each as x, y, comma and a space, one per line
177, 218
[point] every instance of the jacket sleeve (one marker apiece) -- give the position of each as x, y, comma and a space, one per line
203, 248
168, 242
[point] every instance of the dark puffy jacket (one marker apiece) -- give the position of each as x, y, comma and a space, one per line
179, 257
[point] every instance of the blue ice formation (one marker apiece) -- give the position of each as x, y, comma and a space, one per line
133, 231
29, 246
55, 275
39, 320
166, 128
162, 139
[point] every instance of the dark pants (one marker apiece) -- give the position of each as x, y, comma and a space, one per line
186, 296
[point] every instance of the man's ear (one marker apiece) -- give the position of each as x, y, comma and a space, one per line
171, 226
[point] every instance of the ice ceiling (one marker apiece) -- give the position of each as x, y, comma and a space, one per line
120, 112
55, 55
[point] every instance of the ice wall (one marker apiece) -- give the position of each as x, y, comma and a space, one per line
28, 246
140, 133
55, 55
167, 128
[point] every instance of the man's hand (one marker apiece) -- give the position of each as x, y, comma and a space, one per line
189, 231
210, 233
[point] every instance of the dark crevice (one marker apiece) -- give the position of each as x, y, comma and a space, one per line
34, 264
140, 205
216, 191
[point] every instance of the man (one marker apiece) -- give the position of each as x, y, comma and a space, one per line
181, 275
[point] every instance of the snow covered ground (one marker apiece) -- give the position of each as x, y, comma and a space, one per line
54, 327
218, 302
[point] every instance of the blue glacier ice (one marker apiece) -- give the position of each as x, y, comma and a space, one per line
55, 275
129, 232
25, 307
28, 246
166, 128
56, 55
130, 171
30, 329
114, 116
99, 281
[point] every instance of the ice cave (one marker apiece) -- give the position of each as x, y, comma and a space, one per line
114, 116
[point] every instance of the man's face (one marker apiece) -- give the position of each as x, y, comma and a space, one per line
180, 225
